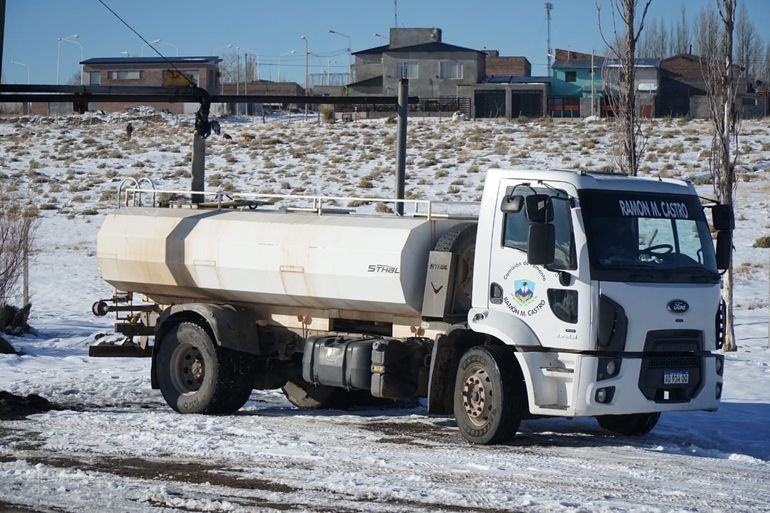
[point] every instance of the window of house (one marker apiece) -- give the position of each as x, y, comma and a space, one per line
94, 78
570, 76
407, 70
125, 75
451, 70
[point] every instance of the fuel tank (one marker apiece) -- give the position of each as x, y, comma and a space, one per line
294, 259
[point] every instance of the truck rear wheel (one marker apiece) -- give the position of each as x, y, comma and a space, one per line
634, 424
197, 376
490, 395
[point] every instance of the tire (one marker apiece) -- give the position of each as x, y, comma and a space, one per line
490, 395
461, 241
197, 376
305, 395
634, 424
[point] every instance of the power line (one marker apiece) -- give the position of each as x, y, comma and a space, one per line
186, 77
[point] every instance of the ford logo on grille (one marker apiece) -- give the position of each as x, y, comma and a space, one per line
677, 306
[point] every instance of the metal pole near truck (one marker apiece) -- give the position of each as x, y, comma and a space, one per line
402, 110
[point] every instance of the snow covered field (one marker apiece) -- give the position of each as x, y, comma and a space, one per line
117, 447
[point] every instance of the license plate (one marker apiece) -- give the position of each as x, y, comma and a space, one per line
676, 377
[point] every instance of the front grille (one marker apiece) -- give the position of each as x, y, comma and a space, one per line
671, 350
672, 362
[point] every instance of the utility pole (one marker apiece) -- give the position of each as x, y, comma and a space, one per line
593, 84
403, 109
2, 32
307, 54
548, 8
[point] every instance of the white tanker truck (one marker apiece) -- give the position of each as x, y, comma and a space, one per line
571, 294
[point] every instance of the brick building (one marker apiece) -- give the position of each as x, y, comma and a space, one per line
148, 71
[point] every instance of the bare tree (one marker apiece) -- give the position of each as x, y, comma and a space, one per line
16, 230
745, 36
238, 68
623, 97
681, 34
719, 73
653, 43
764, 71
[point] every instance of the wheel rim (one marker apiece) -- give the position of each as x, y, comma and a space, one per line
477, 394
188, 369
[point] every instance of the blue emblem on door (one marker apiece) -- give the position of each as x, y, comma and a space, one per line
524, 291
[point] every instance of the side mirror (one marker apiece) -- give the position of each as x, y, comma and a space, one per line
722, 217
724, 249
512, 204
539, 209
541, 244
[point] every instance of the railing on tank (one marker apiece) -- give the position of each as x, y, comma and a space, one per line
136, 198
309, 203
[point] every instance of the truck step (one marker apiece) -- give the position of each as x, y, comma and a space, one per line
558, 372
553, 406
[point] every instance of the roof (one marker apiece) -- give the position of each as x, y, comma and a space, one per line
598, 180
376, 49
369, 82
433, 46
578, 64
509, 79
601, 61
213, 59
638, 63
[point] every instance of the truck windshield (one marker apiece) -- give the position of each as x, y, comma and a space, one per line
647, 237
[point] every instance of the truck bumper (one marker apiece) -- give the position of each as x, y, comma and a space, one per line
640, 386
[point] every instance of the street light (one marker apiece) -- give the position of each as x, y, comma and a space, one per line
153, 42
350, 53
22, 64
26, 66
290, 52
175, 47
216, 50
67, 39
307, 53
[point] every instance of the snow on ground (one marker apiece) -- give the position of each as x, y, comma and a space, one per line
117, 447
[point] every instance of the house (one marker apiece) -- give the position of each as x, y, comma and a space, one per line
576, 78
507, 89
646, 83
682, 89
448, 77
435, 69
149, 71
256, 87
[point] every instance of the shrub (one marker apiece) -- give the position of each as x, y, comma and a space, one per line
17, 227
762, 242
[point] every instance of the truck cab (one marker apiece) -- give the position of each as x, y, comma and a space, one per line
607, 289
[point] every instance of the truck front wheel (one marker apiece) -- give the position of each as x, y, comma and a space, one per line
197, 376
490, 395
634, 424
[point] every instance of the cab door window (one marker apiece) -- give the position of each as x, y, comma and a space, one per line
516, 228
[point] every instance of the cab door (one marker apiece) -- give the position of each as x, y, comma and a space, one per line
545, 298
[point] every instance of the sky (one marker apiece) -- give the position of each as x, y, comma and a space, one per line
272, 28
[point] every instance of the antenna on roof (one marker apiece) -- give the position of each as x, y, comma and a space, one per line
549, 54
395, 13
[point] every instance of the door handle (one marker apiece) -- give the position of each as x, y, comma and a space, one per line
495, 293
